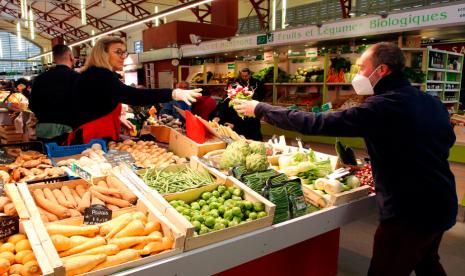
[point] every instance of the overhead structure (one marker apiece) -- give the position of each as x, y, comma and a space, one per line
346, 7
262, 9
202, 12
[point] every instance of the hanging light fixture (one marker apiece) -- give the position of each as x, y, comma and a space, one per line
18, 38
93, 40
24, 11
283, 14
157, 21
83, 12
32, 29
1, 49
273, 20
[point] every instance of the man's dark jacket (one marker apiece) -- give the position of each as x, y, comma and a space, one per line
408, 136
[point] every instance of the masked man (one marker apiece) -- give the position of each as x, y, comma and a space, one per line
408, 136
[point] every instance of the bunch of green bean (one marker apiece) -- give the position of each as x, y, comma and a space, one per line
167, 182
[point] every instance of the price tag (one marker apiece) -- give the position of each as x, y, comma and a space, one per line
81, 172
114, 157
97, 214
8, 226
1, 186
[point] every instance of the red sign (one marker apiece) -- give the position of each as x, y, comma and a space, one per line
453, 47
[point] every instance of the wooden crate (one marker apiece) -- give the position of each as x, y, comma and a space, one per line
337, 199
183, 146
27, 228
153, 214
161, 133
12, 192
460, 135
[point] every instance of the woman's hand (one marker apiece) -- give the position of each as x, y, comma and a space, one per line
187, 96
245, 107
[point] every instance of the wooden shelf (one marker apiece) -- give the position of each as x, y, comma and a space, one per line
453, 82
208, 84
453, 71
433, 90
434, 81
451, 90
339, 83
417, 84
448, 102
437, 69
296, 84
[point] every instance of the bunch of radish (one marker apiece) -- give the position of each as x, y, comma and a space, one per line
366, 177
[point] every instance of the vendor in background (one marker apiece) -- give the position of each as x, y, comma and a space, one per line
205, 104
249, 127
408, 136
99, 93
50, 98
168, 108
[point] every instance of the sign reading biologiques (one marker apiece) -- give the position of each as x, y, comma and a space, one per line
369, 25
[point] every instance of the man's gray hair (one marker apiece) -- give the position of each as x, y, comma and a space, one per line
388, 53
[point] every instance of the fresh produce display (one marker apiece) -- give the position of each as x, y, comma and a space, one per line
219, 209
238, 152
256, 181
266, 75
366, 177
304, 165
225, 131
165, 120
28, 166
147, 153
92, 160
199, 78
59, 203
173, 180
123, 239
313, 74
17, 257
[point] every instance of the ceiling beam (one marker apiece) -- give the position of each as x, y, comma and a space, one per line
262, 9
201, 13
133, 9
346, 7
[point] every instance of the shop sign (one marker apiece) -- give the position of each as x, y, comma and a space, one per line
231, 66
268, 56
311, 53
398, 22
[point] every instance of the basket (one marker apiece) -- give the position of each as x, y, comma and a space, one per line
54, 150
34, 145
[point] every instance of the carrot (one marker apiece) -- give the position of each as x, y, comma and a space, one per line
71, 230
61, 243
78, 240
151, 226
157, 246
116, 228
31, 268
157, 235
9, 209
69, 197
107, 249
102, 184
3, 201
92, 243
112, 207
85, 202
111, 200
50, 206
48, 215
139, 246
135, 228
80, 190
106, 191
128, 242
95, 200
126, 193
82, 264
75, 213
140, 216
120, 258
106, 227
49, 195
76, 196
61, 198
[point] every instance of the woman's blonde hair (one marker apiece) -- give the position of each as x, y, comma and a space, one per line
99, 56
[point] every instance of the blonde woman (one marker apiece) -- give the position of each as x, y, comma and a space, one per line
99, 93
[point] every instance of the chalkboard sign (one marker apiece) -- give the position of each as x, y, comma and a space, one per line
9, 225
2, 185
114, 157
97, 214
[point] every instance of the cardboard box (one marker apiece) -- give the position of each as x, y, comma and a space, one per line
183, 146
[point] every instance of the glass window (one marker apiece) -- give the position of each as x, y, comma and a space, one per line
9, 50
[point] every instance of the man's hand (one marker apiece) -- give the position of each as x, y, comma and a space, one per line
245, 107
187, 96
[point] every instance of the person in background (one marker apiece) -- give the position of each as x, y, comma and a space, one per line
22, 85
205, 105
169, 109
99, 94
408, 136
249, 127
50, 97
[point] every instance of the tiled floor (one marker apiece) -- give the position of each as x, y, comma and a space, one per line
357, 238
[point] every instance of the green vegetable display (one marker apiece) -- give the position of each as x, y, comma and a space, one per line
256, 181
219, 209
173, 181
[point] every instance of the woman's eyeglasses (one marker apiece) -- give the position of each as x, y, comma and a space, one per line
121, 53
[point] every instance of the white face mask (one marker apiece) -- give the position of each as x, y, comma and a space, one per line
363, 85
